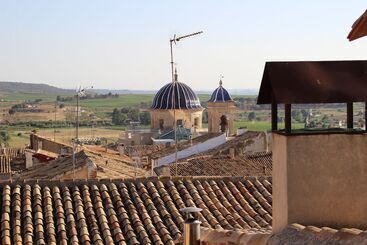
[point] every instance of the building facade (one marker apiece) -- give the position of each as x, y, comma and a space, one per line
221, 111
176, 100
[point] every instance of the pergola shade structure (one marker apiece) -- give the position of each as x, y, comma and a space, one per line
310, 82
359, 28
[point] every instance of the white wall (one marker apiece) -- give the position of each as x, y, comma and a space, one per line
192, 150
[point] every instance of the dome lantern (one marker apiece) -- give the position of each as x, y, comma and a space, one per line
220, 94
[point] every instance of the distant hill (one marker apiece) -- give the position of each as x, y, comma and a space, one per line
36, 88
127, 91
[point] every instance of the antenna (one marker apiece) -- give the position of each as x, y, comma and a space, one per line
174, 40
80, 92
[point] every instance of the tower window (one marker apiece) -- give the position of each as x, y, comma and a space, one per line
179, 122
161, 124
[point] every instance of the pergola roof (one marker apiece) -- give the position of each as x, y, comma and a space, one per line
359, 28
306, 82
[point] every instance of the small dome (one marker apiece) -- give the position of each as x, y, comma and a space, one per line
184, 96
220, 94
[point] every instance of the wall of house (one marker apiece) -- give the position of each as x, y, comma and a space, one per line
320, 180
38, 142
215, 111
130, 137
187, 117
259, 144
82, 173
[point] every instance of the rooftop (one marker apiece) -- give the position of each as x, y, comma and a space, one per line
183, 145
116, 167
314, 82
141, 211
258, 164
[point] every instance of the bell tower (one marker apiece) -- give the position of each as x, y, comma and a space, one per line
221, 110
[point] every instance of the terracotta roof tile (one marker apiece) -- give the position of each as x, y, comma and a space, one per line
257, 164
299, 234
142, 211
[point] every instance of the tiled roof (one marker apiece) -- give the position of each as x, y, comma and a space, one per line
233, 237
258, 164
116, 167
53, 169
143, 150
220, 94
236, 142
142, 211
176, 95
299, 234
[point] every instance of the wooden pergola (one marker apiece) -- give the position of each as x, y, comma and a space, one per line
359, 28
313, 82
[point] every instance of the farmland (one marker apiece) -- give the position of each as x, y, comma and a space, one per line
20, 124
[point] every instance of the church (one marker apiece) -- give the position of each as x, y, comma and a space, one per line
176, 100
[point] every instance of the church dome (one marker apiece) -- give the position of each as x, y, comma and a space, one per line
184, 97
220, 94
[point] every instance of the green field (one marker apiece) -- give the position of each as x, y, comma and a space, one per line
103, 108
27, 96
264, 125
19, 137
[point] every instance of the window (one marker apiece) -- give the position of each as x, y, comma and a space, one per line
196, 121
161, 124
179, 122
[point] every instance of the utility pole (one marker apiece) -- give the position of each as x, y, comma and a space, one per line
172, 41
55, 120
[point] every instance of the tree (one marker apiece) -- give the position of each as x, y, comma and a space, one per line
4, 138
145, 118
251, 116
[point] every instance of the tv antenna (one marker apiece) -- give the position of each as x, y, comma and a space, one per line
80, 92
172, 41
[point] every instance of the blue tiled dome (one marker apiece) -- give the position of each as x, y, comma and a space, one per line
220, 94
184, 97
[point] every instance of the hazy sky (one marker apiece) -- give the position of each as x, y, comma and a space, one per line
125, 44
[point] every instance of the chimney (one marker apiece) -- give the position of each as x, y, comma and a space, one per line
319, 175
232, 153
318, 180
192, 226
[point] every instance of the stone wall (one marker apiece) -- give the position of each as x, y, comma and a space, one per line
215, 111
37, 142
187, 117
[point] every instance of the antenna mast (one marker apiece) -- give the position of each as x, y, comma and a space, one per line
175, 40
171, 41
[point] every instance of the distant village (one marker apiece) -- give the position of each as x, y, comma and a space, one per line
172, 177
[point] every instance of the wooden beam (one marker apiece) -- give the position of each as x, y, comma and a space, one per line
274, 116
350, 115
288, 118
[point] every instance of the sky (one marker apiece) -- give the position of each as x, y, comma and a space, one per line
125, 44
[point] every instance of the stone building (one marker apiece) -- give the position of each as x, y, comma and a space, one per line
221, 110
176, 98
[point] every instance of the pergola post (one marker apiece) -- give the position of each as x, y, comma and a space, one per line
350, 115
274, 116
288, 118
